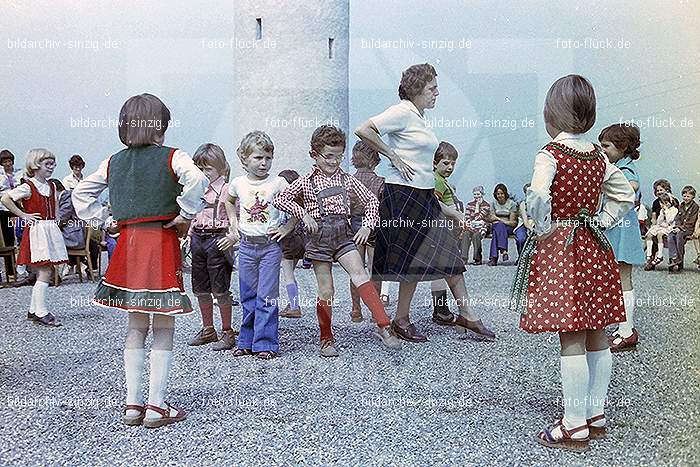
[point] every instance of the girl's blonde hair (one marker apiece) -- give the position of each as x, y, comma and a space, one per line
36, 157
254, 140
211, 154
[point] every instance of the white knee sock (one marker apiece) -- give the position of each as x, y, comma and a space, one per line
660, 249
161, 361
625, 328
134, 362
574, 386
599, 371
650, 244
39, 298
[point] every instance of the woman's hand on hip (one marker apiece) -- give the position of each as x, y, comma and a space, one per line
404, 169
181, 224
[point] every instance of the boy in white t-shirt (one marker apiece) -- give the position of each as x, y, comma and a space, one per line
259, 256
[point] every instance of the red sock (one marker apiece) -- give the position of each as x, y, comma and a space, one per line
369, 295
354, 296
207, 309
324, 313
225, 309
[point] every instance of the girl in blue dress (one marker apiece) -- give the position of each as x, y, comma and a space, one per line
620, 143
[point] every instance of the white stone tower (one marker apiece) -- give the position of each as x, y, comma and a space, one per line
290, 73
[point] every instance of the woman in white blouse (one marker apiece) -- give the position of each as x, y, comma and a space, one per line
414, 242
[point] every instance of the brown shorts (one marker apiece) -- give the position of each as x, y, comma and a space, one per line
333, 240
293, 246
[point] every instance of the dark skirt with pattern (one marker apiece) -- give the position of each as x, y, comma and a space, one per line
414, 241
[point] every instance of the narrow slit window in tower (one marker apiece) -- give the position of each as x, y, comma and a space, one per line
331, 50
258, 28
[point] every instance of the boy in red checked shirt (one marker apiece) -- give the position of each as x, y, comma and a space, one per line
326, 214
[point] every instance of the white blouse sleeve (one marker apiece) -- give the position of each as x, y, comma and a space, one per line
539, 198
21, 191
86, 193
619, 196
194, 184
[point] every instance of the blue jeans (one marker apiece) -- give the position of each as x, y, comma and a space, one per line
259, 279
499, 238
520, 237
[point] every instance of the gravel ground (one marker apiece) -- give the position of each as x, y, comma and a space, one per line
452, 401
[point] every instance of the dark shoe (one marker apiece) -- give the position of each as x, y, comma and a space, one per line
385, 299
409, 333
477, 262
477, 327
289, 313
493, 261
623, 343
235, 302
242, 352
48, 320
356, 316
226, 342
31, 316
505, 257
443, 319
267, 355
205, 335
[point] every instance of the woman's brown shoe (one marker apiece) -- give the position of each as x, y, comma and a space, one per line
476, 327
205, 335
409, 333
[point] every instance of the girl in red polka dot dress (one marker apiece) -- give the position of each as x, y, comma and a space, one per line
568, 281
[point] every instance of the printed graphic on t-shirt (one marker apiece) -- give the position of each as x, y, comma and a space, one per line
259, 211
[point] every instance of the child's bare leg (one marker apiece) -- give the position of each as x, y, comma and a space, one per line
354, 266
354, 295
324, 303
574, 382
135, 359
459, 292
403, 305
290, 282
599, 362
626, 328
161, 362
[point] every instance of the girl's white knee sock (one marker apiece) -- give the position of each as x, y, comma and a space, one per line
599, 370
625, 328
574, 386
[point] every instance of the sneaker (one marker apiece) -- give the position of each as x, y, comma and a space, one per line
328, 348
205, 335
388, 338
226, 342
356, 316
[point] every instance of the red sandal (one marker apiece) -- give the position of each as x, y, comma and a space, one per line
166, 419
596, 432
133, 421
545, 438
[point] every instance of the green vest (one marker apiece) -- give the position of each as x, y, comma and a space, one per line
142, 185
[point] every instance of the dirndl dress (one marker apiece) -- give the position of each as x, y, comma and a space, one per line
626, 236
145, 272
414, 241
42, 241
571, 280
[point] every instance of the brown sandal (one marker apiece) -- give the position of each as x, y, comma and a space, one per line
545, 438
267, 355
596, 432
242, 352
133, 421
477, 328
166, 419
